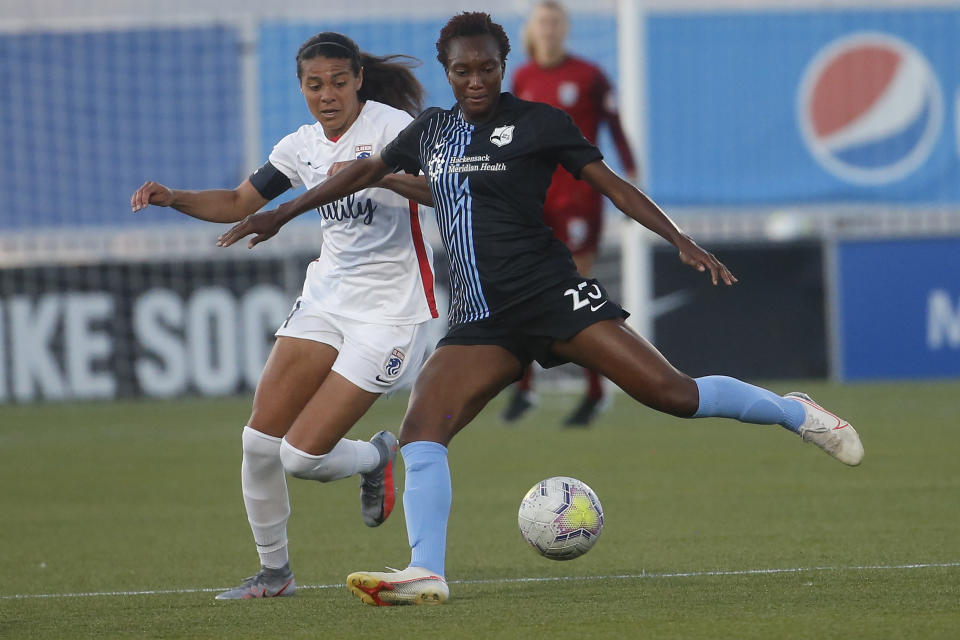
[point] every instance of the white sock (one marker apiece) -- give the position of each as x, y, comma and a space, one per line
275, 559
348, 457
265, 496
368, 456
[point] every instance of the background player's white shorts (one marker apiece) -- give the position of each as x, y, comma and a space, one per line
376, 357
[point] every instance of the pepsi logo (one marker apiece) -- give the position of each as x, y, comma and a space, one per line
870, 108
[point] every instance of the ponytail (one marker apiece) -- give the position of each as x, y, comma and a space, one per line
389, 80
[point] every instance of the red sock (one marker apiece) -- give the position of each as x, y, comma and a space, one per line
526, 381
594, 384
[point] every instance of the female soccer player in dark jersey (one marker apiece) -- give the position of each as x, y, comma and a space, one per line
573, 209
516, 293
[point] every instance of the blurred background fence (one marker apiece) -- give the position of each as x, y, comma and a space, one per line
814, 147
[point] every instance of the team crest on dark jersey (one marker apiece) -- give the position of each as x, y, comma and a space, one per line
393, 365
363, 150
502, 136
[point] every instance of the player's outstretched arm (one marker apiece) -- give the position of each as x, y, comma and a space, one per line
264, 225
641, 208
212, 205
409, 186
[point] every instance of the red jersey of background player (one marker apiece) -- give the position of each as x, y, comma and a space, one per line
582, 90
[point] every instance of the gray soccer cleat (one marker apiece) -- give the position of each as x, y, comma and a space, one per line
413, 585
829, 432
268, 583
377, 489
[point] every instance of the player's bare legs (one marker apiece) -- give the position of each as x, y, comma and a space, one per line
294, 371
615, 350
619, 353
524, 396
301, 412
441, 404
445, 398
312, 408
329, 414
315, 448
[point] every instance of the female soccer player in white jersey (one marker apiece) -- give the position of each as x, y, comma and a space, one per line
358, 329
516, 294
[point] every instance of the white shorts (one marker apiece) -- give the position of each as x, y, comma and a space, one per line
378, 358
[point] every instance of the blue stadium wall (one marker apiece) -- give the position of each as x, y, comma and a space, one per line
760, 108
88, 116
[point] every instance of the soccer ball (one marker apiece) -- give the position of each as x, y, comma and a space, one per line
561, 518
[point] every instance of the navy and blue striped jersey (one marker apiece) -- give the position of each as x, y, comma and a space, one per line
489, 182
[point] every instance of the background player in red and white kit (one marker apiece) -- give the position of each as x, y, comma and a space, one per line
573, 209
358, 329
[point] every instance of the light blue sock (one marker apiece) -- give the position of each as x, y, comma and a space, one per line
725, 397
426, 503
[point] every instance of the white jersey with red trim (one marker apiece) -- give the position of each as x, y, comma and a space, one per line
375, 265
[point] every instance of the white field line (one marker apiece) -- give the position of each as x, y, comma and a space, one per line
626, 576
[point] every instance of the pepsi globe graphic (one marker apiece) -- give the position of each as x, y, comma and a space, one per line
561, 518
870, 108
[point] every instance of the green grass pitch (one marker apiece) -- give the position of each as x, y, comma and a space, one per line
139, 504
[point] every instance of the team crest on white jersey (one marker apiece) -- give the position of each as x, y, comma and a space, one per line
393, 365
502, 136
363, 150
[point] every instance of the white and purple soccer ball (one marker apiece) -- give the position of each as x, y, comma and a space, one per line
561, 518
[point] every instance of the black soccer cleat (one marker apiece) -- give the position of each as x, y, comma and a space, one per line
588, 409
520, 402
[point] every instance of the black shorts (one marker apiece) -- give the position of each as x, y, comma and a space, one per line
529, 329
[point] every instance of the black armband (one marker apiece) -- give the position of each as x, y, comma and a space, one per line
269, 181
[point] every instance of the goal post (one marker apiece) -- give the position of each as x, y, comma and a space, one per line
636, 269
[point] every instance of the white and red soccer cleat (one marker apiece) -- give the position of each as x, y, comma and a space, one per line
413, 585
829, 432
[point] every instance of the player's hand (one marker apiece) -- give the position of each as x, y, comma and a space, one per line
702, 260
151, 193
264, 225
